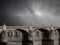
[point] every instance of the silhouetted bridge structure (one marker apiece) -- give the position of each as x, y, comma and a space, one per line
24, 34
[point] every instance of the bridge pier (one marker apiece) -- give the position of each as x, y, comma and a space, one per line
3, 35
50, 37
37, 38
46, 40
59, 35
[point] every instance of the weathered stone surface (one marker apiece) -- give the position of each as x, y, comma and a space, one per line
29, 33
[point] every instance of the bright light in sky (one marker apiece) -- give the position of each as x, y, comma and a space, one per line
40, 14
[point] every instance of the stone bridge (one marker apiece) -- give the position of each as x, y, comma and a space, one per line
29, 33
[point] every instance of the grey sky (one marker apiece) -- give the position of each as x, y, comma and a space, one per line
30, 12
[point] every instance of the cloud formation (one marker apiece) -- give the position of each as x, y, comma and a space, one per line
31, 12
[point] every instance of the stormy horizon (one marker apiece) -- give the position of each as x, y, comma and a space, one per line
30, 12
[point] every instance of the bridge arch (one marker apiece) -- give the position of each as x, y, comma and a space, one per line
37, 33
37, 37
58, 29
14, 33
45, 33
24, 33
14, 37
57, 36
45, 36
11, 40
25, 36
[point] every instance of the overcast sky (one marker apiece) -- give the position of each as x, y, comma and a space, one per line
30, 12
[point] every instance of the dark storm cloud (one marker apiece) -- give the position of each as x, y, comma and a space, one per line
10, 8
30, 12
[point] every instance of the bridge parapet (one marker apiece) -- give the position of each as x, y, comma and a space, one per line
27, 29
